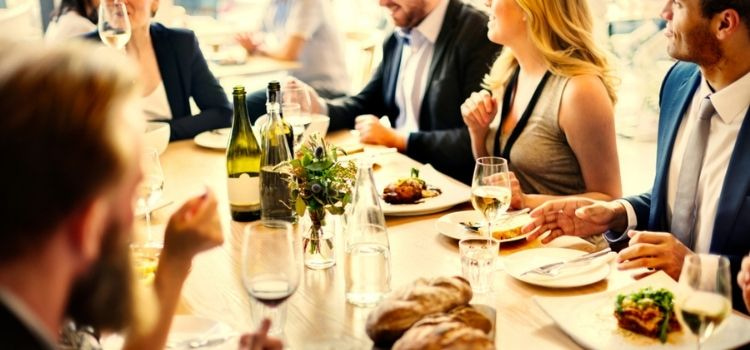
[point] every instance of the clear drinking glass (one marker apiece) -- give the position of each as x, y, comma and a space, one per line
368, 265
270, 269
297, 99
114, 23
150, 191
490, 189
478, 262
707, 300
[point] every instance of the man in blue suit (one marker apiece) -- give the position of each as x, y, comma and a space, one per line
700, 200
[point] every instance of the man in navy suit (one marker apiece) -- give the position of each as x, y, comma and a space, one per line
700, 200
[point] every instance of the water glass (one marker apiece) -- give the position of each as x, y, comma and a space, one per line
478, 262
367, 265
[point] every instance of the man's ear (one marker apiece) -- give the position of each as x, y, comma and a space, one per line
727, 22
86, 229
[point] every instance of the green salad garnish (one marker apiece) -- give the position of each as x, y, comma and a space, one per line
646, 297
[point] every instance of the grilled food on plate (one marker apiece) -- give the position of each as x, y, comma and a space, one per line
409, 190
648, 311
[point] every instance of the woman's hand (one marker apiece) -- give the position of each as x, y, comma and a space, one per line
195, 227
478, 112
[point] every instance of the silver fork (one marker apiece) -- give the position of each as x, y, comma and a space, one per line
552, 270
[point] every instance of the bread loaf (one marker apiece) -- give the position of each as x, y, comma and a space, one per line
394, 315
443, 334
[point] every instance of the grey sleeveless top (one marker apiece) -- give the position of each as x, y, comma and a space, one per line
541, 157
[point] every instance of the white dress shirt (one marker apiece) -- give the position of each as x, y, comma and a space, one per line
731, 104
416, 60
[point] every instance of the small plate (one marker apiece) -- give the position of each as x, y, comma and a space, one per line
589, 321
184, 329
214, 139
450, 225
525, 260
454, 193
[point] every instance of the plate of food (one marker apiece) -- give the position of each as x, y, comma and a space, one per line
424, 191
470, 224
593, 271
637, 317
214, 139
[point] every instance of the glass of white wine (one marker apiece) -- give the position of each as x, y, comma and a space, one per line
114, 23
297, 110
707, 298
490, 189
150, 191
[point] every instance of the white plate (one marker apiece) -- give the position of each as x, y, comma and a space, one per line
450, 225
589, 320
525, 260
454, 193
214, 139
185, 328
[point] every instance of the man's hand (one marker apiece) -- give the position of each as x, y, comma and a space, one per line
316, 103
575, 217
195, 227
372, 132
655, 251
743, 279
260, 339
249, 41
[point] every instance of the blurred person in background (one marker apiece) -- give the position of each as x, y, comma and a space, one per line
71, 19
172, 69
304, 31
66, 223
432, 62
700, 199
743, 280
548, 107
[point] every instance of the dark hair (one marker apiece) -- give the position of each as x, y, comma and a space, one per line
712, 7
57, 135
82, 7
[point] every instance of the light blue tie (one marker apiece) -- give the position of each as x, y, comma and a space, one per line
685, 206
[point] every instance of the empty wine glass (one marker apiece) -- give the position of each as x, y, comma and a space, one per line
297, 110
150, 191
270, 268
114, 24
707, 298
490, 189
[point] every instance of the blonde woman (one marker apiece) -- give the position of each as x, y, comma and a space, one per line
548, 107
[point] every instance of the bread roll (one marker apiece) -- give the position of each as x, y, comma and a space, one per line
394, 315
439, 333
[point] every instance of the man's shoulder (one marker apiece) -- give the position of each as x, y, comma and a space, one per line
179, 36
14, 333
681, 70
468, 22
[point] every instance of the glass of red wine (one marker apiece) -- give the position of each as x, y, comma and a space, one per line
270, 270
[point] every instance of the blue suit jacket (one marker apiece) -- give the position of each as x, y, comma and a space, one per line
731, 234
185, 74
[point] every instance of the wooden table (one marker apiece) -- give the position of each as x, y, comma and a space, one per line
318, 315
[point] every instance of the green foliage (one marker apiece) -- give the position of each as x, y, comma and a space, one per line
662, 298
319, 180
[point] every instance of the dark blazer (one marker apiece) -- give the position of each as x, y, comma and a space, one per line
462, 57
15, 335
185, 74
731, 234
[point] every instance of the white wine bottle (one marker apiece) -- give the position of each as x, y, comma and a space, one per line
275, 195
243, 164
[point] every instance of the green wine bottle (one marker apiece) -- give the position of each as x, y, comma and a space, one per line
243, 164
275, 195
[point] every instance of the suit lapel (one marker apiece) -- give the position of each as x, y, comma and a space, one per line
672, 113
735, 188
441, 44
169, 69
391, 74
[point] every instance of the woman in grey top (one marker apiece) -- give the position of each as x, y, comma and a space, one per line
549, 108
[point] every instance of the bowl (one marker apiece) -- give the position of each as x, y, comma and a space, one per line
157, 136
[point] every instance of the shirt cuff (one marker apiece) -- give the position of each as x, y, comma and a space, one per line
323, 106
632, 218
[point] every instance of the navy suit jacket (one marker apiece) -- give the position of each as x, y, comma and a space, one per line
462, 57
731, 234
185, 74
15, 335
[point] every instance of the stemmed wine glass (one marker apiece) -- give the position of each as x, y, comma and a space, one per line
297, 110
150, 190
490, 189
270, 268
707, 298
114, 24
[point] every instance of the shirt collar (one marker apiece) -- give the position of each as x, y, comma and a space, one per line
26, 316
730, 101
430, 26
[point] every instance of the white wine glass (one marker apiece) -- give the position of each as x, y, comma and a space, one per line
114, 23
270, 268
150, 191
297, 110
490, 189
707, 298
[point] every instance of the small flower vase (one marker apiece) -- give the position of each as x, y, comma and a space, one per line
317, 240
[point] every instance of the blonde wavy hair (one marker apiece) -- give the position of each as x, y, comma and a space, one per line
562, 31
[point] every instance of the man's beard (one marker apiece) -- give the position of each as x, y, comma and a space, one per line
104, 297
701, 48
